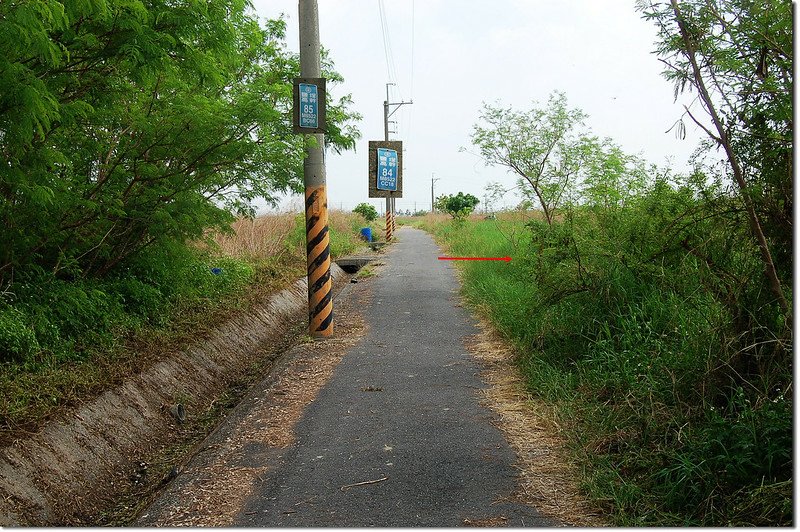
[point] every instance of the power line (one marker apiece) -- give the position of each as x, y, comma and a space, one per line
387, 44
409, 128
412, 48
383, 32
391, 67
391, 64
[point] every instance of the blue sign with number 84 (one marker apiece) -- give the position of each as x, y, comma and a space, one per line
387, 169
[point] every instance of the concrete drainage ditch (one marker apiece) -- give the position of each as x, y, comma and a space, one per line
74, 468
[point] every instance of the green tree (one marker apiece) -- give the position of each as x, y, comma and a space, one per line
126, 125
610, 177
543, 146
367, 211
738, 57
459, 206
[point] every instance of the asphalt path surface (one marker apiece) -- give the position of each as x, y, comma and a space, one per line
398, 436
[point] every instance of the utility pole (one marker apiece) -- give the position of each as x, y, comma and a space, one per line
432, 182
386, 115
318, 260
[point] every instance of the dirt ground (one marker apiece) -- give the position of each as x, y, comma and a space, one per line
547, 479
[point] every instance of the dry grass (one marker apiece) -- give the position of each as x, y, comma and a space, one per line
518, 215
343, 221
511, 216
432, 217
485, 523
264, 236
267, 236
548, 481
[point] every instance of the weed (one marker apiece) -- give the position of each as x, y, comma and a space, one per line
641, 349
366, 271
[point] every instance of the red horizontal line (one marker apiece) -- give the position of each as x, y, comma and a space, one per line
504, 259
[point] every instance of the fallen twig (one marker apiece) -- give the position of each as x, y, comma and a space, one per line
343, 488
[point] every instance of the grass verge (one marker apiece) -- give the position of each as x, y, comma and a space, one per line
630, 365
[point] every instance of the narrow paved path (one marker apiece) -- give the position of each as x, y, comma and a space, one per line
403, 405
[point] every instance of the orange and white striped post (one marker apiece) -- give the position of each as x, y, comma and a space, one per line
388, 219
394, 218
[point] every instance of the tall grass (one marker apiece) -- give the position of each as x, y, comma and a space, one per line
624, 333
263, 236
275, 235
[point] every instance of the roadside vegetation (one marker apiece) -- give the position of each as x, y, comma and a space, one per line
108, 330
654, 310
668, 419
132, 136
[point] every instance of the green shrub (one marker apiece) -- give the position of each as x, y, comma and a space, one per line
459, 206
17, 340
367, 211
140, 299
723, 460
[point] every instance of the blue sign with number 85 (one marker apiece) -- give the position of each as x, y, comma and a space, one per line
387, 169
309, 106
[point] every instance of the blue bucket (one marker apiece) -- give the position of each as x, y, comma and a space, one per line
366, 233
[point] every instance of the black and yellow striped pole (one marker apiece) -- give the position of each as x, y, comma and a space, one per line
386, 137
320, 299
320, 302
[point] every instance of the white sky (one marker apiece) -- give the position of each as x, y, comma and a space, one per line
468, 51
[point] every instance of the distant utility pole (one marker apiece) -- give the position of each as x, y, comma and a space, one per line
386, 115
318, 260
432, 182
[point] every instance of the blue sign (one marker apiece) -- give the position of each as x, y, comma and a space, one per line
387, 169
309, 106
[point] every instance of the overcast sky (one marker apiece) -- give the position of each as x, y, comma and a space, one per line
449, 56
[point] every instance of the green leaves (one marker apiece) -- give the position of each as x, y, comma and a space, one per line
125, 124
738, 56
367, 211
539, 145
17, 340
459, 206
557, 161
